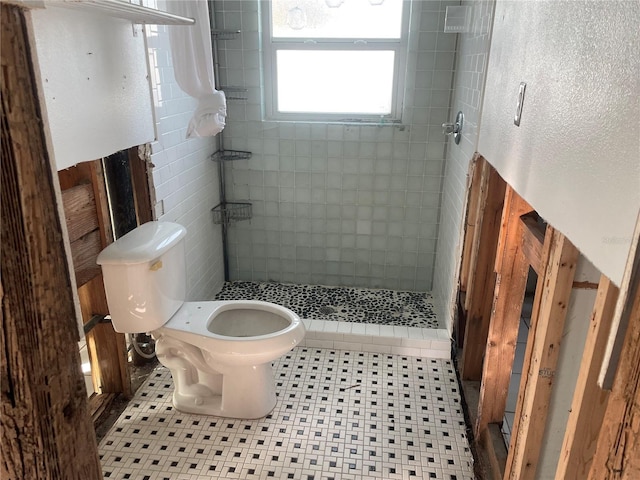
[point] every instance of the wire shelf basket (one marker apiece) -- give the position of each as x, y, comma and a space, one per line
231, 212
234, 93
229, 155
225, 34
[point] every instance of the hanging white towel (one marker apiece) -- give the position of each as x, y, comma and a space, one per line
193, 66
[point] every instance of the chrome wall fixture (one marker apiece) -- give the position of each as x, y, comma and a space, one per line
455, 128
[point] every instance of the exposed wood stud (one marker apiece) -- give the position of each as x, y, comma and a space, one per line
589, 400
80, 211
512, 271
482, 278
46, 431
142, 184
543, 347
532, 240
84, 252
96, 174
473, 197
99, 404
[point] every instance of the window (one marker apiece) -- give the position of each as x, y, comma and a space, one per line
334, 60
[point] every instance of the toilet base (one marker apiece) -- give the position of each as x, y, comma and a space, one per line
246, 392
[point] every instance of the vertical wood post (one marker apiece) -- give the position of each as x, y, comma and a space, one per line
543, 348
45, 426
482, 277
512, 269
473, 197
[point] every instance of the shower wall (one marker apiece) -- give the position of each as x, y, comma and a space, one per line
338, 204
471, 66
185, 179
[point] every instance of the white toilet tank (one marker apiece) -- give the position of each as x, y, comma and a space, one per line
145, 276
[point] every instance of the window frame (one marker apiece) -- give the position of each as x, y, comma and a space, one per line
271, 46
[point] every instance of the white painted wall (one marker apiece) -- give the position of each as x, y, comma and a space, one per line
576, 155
101, 96
471, 64
94, 80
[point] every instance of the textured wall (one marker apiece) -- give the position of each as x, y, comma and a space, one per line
185, 179
471, 65
339, 204
575, 156
94, 84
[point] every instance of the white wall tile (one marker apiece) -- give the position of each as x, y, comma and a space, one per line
473, 48
366, 166
185, 180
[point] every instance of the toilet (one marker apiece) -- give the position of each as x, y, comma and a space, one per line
219, 352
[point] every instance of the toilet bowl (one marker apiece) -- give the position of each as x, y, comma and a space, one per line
220, 353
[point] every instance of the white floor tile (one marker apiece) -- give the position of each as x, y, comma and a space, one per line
349, 416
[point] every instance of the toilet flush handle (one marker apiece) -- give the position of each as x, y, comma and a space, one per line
155, 266
455, 128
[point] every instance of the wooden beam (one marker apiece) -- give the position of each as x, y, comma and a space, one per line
46, 431
482, 278
79, 211
91, 173
476, 167
87, 216
589, 400
84, 252
99, 404
545, 335
496, 449
472, 197
96, 173
512, 271
618, 450
532, 240
142, 184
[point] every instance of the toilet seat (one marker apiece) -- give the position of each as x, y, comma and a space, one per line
190, 323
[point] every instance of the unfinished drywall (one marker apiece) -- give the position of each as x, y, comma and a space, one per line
576, 155
94, 82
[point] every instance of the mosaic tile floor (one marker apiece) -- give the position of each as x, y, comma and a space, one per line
344, 304
340, 415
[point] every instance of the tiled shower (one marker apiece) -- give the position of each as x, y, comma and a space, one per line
338, 204
366, 206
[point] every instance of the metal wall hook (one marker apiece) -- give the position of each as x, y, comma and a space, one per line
455, 128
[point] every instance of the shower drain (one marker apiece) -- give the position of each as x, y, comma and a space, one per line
327, 310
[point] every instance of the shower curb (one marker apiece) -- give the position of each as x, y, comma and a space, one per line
359, 337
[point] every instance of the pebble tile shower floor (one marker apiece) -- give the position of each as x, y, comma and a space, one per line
343, 304
340, 415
